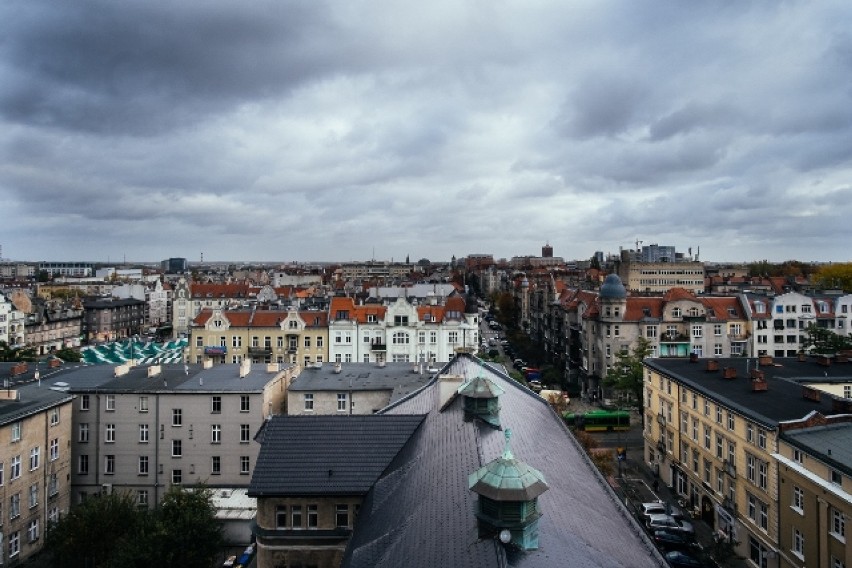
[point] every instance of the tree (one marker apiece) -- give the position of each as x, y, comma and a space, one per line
13, 354
835, 276
626, 374
111, 531
68, 355
823, 341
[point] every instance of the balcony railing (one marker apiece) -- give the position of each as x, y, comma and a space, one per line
376, 346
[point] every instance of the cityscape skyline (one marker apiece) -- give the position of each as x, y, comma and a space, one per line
329, 132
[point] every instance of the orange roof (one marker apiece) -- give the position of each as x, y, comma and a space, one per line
675, 294
639, 307
721, 307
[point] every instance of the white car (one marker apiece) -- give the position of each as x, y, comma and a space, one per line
660, 508
668, 523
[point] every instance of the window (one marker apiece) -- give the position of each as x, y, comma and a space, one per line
798, 503
236, 341
109, 465
216, 405
35, 458
142, 497
341, 515
731, 422
143, 404
16, 432
110, 403
177, 449
281, 517
177, 476
245, 434
797, 456
296, 516
15, 506
798, 544
143, 433
838, 524
52, 485
177, 417
762, 474
83, 433
33, 495
307, 342
54, 449
15, 470
400, 337
84, 402
109, 437
319, 342
694, 429
83, 464
313, 517
697, 330
676, 312
309, 401
143, 465
718, 414
245, 403
199, 341
14, 544
836, 477
706, 437
341, 402
216, 465
758, 553
216, 434
54, 416
651, 331
717, 329
245, 465
749, 433
761, 438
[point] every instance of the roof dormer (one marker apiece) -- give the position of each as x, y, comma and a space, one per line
481, 399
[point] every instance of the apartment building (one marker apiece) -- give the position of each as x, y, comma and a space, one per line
35, 460
712, 429
815, 472
353, 388
260, 336
108, 319
402, 331
142, 429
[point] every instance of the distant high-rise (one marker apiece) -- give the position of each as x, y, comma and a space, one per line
174, 265
547, 251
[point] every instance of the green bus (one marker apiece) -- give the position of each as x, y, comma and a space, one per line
599, 420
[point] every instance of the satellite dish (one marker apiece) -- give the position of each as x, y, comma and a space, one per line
505, 536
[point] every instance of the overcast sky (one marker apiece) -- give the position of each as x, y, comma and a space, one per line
347, 130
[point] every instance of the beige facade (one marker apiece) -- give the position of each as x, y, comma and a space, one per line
323, 525
35, 461
814, 500
659, 277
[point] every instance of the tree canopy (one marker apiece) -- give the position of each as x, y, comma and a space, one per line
13, 354
833, 276
823, 341
626, 374
112, 531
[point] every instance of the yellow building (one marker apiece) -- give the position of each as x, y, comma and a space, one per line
711, 431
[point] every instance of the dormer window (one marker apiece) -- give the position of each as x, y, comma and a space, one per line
342, 315
759, 308
293, 324
676, 312
693, 312
371, 318
732, 311
217, 323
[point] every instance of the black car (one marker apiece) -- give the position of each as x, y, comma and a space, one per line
678, 559
668, 540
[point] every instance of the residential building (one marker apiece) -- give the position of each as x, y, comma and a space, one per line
814, 472
443, 477
282, 336
353, 388
35, 460
51, 326
712, 428
143, 429
74, 269
108, 319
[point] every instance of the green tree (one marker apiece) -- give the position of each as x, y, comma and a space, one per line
68, 355
191, 535
14, 354
823, 341
626, 375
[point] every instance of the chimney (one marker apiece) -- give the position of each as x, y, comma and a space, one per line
154, 370
55, 362
18, 369
338, 368
729, 373
122, 370
824, 361
712, 365
809, 393
758, 383
693, 357
245, 368
208, 363
448, 386
764, 360
7, 394
272, 367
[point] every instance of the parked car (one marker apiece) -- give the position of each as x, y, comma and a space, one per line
660, 508
668, 523
669, 540
680, 559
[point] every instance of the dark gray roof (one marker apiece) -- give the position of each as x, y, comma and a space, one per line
400, 378
327, 455
172, 378
782, 401
829, 443
33, 396
420, 513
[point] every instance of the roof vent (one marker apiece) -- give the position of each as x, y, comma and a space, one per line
338, 367
154, 370
481, 399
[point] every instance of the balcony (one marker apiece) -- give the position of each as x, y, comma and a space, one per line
378, 346
260, 351
729, 468
674, 338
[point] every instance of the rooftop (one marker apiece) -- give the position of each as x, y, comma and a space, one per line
401, 378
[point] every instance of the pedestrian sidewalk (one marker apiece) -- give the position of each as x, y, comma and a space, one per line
637, 485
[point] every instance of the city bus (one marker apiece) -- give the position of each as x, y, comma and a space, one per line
599, 420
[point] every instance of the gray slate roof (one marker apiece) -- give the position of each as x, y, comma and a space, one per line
830, 443
420, 512
33, 396
399, 378
783, 399
327, 455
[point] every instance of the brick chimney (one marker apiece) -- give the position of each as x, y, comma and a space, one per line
729, 373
